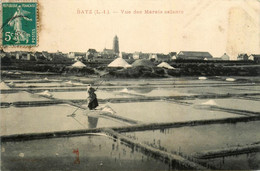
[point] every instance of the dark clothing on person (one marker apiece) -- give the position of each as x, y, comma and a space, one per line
92, 99
92, 105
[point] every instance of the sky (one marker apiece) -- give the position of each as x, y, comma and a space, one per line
222, 26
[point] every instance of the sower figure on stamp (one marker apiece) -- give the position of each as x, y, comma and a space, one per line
16, 23
92, 98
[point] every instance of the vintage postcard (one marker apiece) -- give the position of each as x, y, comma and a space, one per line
130, 85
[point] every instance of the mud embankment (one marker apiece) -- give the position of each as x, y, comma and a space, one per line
131, 128
231, 151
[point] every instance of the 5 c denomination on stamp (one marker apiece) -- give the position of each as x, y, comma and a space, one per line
19, 23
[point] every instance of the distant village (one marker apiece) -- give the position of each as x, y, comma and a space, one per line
110, 54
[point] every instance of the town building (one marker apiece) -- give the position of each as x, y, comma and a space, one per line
47, 55
77, 55
163, 57
127, 55
136, 55
159, 57
255, 57
91, 54
242, 57
225, 57
21, 55
173, 55
194, 55
108, 53
153, 56
39, 56
144, 56
111, 53
58, 56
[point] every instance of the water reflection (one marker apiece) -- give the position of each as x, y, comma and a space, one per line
92, 121
144, 90
77, 153
187, 140
245, 161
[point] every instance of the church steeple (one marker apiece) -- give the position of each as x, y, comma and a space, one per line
116, 45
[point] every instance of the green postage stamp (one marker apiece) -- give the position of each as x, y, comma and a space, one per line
19, 23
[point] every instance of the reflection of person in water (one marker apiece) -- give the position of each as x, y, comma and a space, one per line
16, 23
92, 121
92, 98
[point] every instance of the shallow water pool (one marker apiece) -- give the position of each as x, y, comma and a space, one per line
89, 152
189, 140
47, 119
162, 111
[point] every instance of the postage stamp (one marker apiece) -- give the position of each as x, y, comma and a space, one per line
19, 23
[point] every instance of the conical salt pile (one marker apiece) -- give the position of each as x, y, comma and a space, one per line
45, 93
78, 64
68, 82
202, 78
3, 86
119, 62
11, 83
230, 79
210, 103
165, 65
125, 90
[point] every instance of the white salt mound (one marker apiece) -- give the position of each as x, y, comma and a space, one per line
230, 79
108, 109
125, 90
100, 134
202, 78
68, 82
11, 83
21, 155
45, 93
78, 64
165, 65
3, 86
46, 78
119, 62
210, 102
77, 83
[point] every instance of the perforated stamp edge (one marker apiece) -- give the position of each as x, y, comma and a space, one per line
37, 24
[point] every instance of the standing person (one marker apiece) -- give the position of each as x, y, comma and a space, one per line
92, 98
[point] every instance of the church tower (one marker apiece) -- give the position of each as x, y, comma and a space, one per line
116, 45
